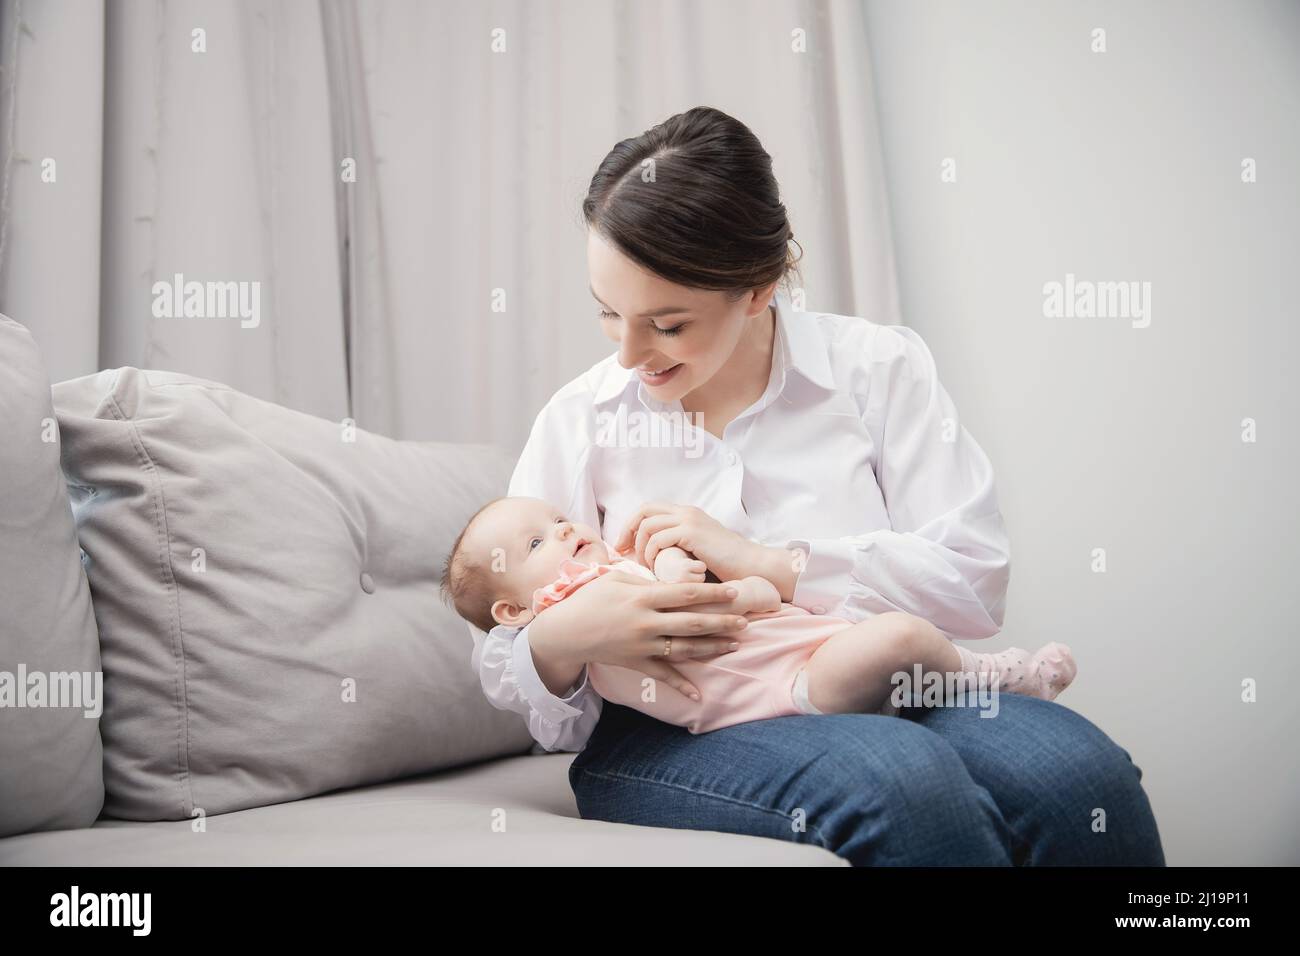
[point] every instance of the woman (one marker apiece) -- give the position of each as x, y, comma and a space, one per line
820, 452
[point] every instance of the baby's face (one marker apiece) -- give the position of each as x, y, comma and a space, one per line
533, 539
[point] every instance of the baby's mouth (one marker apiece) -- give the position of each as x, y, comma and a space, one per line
582, 543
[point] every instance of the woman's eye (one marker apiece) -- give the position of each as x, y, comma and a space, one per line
675, 330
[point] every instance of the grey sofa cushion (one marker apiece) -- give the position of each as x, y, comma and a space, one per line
267, 596
518, 811
50, 756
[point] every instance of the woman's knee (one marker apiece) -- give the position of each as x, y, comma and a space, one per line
900, 795
1090, 766
1095, 785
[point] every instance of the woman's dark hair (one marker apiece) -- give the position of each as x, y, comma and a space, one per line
693, 200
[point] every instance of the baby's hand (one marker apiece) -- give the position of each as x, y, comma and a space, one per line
675, 566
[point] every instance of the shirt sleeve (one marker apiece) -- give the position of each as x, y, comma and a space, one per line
553, 466
946, 556
505, 667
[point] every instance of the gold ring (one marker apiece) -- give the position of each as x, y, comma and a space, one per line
668, 646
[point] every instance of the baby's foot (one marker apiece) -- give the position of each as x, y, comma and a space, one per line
674, 566
1048, 672
755, 595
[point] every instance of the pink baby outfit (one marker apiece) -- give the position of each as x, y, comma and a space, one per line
752, 683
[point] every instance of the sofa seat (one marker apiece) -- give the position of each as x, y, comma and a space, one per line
439, 819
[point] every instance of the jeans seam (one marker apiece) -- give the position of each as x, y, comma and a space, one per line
812, 828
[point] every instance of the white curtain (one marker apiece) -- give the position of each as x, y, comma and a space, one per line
471, 164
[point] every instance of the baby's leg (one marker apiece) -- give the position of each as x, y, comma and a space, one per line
853, 671
754, 595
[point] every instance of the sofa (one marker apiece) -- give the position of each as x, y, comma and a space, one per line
223, 643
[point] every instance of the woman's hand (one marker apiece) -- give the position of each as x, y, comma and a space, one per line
729, 556
623, 620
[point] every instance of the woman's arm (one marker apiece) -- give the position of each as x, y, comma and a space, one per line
615, 619
946, 557
511, 681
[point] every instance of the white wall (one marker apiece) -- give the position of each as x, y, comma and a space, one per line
1126, 165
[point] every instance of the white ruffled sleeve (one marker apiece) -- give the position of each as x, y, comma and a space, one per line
504, 663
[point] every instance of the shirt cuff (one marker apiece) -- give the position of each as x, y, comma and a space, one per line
554, 709
827, 576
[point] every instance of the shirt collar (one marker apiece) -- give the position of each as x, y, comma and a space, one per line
802, 346
799, 346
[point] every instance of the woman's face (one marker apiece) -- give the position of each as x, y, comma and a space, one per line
677, 338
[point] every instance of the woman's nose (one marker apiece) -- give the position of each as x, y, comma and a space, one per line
631, 350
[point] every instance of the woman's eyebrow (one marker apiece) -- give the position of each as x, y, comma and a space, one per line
652, 314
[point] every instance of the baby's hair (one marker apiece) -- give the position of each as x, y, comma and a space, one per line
466, 580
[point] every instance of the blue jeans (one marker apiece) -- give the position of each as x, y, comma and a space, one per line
930, 787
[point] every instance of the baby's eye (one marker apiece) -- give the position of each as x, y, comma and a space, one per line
532, 544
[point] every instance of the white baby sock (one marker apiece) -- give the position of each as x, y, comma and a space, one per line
1045, 674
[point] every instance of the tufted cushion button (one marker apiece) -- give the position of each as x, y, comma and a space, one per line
367, 582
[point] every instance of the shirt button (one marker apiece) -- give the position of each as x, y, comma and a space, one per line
367, 582
731, 458
818, 609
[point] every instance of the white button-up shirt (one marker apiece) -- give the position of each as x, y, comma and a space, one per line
854, 455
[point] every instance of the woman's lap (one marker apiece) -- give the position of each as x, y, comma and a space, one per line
930, 787
1070, 794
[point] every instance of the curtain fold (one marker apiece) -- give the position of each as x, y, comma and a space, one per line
51, 157
474, 129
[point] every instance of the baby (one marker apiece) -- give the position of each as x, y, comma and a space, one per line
519, 556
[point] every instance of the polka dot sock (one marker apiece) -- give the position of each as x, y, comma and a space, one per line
1048, 672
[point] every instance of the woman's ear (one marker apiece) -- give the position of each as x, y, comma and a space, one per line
763, 298
511, 615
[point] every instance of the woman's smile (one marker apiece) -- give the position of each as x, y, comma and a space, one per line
658, 376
